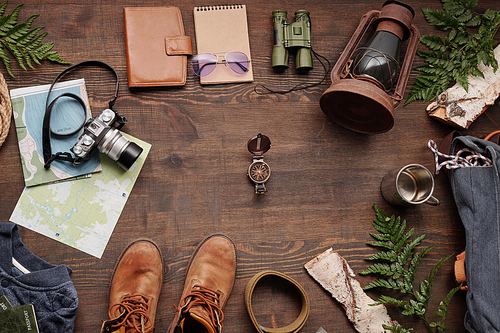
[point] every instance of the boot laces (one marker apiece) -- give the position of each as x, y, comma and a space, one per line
137, 316
208, 299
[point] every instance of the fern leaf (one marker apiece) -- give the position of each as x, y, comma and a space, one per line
453, 8
22, 42
442, 310
9, 21
440, 19
419, 297
432, 42
3, 6
401, 240
384, 244
385, 255
54, 57
395, 272
408, 248
469, 43
378, 268
397, 329
474, 22
433, 273
6, 60
387, 300
380, 237
27, 37
465, 17
415, 262
385, 283
419, 308
14, 50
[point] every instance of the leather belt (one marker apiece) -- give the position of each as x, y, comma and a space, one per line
304, 312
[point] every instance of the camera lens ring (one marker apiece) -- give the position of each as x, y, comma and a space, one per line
129, 155
119, 148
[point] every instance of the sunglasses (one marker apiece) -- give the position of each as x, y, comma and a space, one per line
204, 63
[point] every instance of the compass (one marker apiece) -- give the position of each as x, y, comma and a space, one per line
259, 171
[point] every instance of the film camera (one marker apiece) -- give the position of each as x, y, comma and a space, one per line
99, 132
295, 35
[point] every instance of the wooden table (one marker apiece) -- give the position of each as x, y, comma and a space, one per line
325, 178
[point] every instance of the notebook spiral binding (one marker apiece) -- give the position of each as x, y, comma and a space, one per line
219, 7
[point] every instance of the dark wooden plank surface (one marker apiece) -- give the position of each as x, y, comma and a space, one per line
324, 182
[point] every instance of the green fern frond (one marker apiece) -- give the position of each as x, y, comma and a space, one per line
412, 268
396, 266
433, 274
23, 43
442, 310
469, 43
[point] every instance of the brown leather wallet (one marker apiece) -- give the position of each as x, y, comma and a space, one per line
156, 46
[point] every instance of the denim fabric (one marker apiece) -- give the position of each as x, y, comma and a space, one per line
47, 286
477, 195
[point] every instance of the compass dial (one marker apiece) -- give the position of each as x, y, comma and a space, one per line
259, 172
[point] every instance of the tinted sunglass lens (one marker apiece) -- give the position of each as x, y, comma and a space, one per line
204, 64
238, 62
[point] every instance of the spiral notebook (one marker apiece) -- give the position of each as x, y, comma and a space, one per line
219, 30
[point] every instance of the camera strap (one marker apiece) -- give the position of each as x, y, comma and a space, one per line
48, 156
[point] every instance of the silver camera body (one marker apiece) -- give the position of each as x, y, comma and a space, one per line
99, 132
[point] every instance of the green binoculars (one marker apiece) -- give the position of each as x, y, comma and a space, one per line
296, 36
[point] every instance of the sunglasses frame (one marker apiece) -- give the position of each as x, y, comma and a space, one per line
223, 61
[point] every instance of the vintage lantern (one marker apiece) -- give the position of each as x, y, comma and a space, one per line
363, 78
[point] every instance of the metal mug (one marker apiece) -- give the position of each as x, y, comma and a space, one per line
411, 185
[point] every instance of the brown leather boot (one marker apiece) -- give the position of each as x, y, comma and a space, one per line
135, 288
209, 281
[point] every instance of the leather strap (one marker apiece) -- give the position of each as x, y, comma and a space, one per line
51, 106
48, 156
178, 45
304, 312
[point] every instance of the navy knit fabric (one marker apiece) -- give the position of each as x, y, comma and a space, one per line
48, 287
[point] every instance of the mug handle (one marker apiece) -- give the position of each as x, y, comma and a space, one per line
433, 201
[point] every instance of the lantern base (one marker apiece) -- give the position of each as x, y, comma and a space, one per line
359, 106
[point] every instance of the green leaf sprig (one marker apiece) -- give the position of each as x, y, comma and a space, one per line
23, 42
469, 42
397, 264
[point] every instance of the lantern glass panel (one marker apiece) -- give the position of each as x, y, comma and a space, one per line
378, 60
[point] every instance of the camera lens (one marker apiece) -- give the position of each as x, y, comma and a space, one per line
129, 155
119, 148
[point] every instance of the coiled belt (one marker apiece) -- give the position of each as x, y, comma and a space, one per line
304, 312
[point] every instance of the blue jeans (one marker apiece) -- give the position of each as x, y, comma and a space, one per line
477, 195
47, 286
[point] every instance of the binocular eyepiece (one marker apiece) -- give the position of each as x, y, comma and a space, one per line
295, 35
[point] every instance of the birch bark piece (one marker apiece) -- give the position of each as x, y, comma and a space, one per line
334, 274
459, 108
